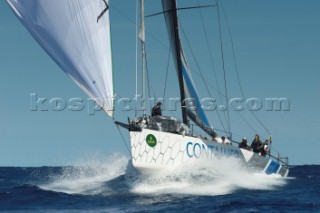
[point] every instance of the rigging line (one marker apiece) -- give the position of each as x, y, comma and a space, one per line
213, 87
233, 133
220, 130
276, 151
247, 122
150, 35
137, 6
266, 129
236, 111
236, 67
181, 8
148, 81
137, 17
233, 51
165, 87
237, 134
165, 84
198, 67
211, 59
210, 53
122, 137
224, 68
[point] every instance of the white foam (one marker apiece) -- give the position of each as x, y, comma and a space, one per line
88, 175
218, 178
212, 178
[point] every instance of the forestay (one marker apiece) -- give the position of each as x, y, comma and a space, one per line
76, 34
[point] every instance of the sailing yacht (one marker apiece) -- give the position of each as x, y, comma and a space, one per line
77, 35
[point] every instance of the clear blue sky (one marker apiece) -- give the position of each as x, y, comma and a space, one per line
277, 45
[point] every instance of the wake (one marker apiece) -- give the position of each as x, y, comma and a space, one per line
108, 177
219, 178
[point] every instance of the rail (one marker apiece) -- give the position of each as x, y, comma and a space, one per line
279, 158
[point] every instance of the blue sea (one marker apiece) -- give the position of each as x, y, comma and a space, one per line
105, 186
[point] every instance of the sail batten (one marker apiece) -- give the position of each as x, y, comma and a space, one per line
69, 32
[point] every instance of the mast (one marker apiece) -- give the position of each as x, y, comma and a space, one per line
186, 84
179, 62
137, 17
142, 39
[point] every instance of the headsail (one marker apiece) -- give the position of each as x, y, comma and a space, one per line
169, 8
69, 32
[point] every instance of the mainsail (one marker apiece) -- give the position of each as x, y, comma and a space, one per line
170, 12
76, 34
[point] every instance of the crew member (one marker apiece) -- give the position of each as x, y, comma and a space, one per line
256, 144
264, 148
225, 140
244, 144
156, 110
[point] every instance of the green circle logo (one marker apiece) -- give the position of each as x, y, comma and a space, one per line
151, 140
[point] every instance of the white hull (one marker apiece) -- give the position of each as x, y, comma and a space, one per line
169, 151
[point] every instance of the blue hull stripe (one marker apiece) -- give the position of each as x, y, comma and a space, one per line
273, 167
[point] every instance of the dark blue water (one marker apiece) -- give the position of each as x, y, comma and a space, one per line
106, 188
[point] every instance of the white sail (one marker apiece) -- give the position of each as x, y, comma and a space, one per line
76, 34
